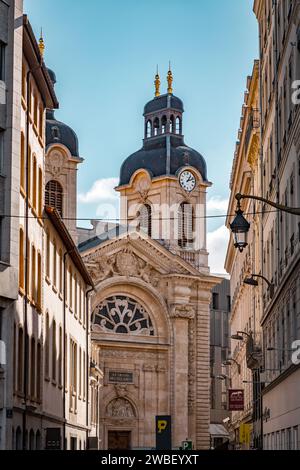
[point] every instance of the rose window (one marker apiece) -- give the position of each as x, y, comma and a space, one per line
120, 314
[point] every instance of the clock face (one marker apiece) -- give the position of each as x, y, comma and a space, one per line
187, 180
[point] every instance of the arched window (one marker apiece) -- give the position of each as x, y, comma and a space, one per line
47, 254
22, 162
172, 124
40, 196
18, 438
38, 440
145, 219
75, 295
60, 271
47, 338
32, 369
28, 189
34, 182
54, 262
28, 267
14, 356
70, 288
80, 373
38, 371
178, 125
31, 440
39, 280
164, 124
41, 121
185, 224
80, 301
54, 351
149, 129
21, 259
60, 357
124, 315
33, 273
54, 196
20, 360
156, 126
35, 110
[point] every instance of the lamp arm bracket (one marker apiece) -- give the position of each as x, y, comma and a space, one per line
290, 210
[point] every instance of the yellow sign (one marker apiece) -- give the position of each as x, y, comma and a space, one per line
161, 425
245, 433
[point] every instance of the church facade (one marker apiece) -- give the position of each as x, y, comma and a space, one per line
150, 309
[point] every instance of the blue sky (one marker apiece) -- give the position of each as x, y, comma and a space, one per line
104, 54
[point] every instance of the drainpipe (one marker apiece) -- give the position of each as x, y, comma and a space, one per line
87, 360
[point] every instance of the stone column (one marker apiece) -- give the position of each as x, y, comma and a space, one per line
181, 314
149, 403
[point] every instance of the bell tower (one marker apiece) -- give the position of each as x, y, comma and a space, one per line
62, 159
163, 185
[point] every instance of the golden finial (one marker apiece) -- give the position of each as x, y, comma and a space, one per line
41, 44
157, 83
170, 79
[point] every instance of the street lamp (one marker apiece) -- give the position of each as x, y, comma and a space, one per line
240, 228
250, 281
238, 336
229, 361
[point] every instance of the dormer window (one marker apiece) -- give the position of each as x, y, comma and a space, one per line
55, 133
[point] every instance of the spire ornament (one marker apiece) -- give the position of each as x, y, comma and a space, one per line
157, 83
170, 79
41, 44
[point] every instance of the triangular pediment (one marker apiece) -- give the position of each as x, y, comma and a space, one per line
134, 254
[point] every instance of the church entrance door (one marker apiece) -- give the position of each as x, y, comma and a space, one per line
119, 440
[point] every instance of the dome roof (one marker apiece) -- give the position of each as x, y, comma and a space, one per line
163, 101
57, 132
154, 158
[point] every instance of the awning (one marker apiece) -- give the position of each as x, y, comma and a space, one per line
218, 430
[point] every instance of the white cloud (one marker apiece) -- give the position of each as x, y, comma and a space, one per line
217, 204
104, 196
217, 242
101, 191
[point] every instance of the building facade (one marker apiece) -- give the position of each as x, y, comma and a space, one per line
279, 27
219, 352
45, 365
10, 129
246, 309
150, 320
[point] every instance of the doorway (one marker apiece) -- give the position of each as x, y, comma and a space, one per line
119, 440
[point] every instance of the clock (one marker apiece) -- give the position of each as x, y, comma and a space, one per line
187, 180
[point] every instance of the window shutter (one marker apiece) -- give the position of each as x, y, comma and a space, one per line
54, 196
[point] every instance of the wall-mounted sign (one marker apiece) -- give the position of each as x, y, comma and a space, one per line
163, 432
235, 399
53, 439
116, 376
244, 433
